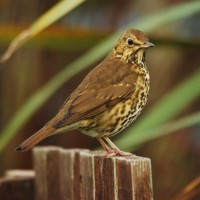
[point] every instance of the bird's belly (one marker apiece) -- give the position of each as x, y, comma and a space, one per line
114, 120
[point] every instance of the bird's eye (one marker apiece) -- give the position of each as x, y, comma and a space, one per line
129, 41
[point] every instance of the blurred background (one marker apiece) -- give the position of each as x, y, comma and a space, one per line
175, 155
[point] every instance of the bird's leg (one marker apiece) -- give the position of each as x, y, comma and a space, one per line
116, 149
109, 151
105, 146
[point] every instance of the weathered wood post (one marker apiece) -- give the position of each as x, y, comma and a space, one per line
18, 185
86, 175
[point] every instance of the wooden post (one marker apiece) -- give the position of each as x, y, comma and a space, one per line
87, 175
17, 185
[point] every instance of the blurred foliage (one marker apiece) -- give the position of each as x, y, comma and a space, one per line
58, 11
170, 101
190, 191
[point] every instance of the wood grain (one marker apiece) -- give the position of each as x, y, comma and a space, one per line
88, 175
17, 185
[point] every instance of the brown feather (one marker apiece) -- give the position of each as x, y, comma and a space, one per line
35, 138
98, 93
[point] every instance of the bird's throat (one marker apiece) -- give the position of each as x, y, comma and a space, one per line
138, 57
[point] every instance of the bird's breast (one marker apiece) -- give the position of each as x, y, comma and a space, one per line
118, 117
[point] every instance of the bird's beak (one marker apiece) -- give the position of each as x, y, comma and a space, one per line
148, 44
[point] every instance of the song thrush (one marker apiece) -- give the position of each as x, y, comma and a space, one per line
110, 97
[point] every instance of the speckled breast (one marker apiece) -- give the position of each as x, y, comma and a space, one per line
114, 120
129, 110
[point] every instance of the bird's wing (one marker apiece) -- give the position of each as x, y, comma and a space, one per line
92, 102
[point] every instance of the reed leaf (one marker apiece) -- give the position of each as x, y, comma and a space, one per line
52, 15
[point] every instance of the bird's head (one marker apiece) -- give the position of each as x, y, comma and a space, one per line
132, 46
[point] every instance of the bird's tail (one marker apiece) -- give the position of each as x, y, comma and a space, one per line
35, 138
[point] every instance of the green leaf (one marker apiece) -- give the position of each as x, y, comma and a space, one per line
55, 13
170, 127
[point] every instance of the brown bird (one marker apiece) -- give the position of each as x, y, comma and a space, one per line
109, 98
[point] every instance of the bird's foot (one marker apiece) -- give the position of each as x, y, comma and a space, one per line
109, 153
123, 153
116, 152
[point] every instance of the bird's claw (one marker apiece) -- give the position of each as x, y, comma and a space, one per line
116, 152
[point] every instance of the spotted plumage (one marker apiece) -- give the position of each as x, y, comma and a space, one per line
110, 97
